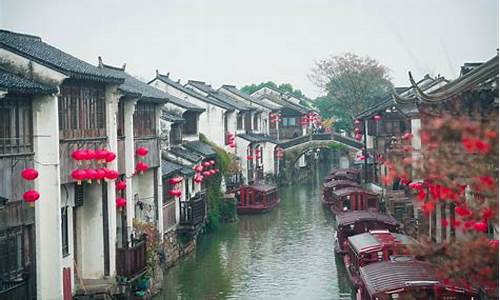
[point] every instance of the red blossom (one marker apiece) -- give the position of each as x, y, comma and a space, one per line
456, 224
407, 136
483, 147
487, 181
469, 224
463, 211
481, 226
428, 208
416, 185
407, 160
487, 214
493, 244
407, 148
491, 134
469, 145
421, 195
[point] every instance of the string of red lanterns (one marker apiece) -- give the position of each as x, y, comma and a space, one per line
30, 196
230, 140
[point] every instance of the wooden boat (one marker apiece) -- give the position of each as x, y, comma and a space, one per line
257, 198
374, 246
333, 185
353, 198
406, 280
360, 221
343, 174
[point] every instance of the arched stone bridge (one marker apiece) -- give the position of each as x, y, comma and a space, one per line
295, 148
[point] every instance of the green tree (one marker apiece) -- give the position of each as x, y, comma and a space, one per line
351, 84
283, 87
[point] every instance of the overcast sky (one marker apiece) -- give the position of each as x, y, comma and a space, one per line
241, 42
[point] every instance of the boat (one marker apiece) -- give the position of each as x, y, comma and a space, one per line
374, 246
353, 198
330, 186
257, 198
360, 221
406, 280
344, 174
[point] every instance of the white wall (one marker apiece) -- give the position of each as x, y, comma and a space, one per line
268, 157
242, 146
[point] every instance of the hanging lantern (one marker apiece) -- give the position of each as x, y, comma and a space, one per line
79, 155
79, 175
233, 145
212, 172
357, 130
141, 167
121, 185
357, 122
377, 118
249, 157
101, 174
206, 164
198, 178
198, 168
175, 193
29, 174
407, 136
358, 137
175, 180
212, 162
111, 174
206, 173
121, 202
100, 155
110, 156
91, 175
217, 170
91, 154
31, 196
142, 151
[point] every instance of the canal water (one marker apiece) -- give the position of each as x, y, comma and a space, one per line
284, 254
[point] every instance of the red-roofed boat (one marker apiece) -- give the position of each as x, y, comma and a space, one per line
352, 198
333, 185
360, 221
406, 280
257, 198
374, 246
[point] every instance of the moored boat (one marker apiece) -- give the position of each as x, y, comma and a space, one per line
353, 198
360, 221
406, 280
374, 246
257, 198
333, 185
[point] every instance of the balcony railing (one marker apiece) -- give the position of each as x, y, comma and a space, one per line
131, 261
193, 212
168, 215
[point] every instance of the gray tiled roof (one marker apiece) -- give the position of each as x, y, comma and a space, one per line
256, 138
186, 153
171, 117
33, 48
202, 148
284, 103
15, 84
191, 92
169, 168
135, 86
247, 97
237, 104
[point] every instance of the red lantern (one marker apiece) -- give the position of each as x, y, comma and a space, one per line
249, 157
407, 136
175, 180
79, 175
91, 154
100, 155
357, 122
110, 156
358, 137
198, 178
233, 145
198, 168
29, 174
121, 185
121, 202
212, 172
79, 155
357, 130
101, 174
206, 173
212, 162
111, 174
377, 118
175, 193
206, 164
31, 196
141, 167
91, 175
142, 151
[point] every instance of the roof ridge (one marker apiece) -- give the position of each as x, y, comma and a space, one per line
26, 35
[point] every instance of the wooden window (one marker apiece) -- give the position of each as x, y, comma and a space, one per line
64, 231
175, 134
82, 110
191, 124
145, 120
11, 254
239, 121
15, 125
256, 122
120, 126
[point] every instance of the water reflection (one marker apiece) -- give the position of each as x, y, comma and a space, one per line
287, 253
